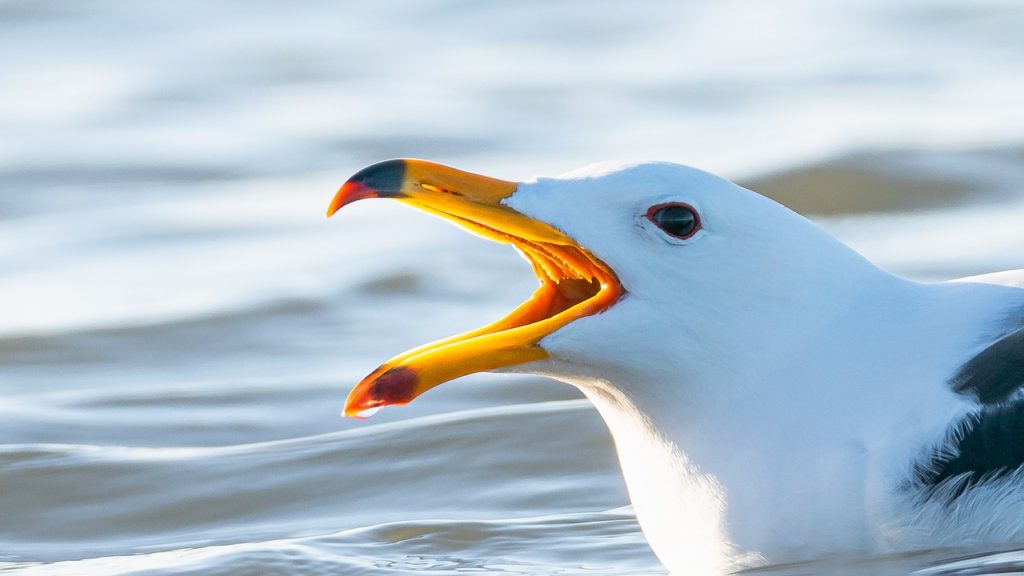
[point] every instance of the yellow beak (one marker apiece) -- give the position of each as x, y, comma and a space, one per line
573, 283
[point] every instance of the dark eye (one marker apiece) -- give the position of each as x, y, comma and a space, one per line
675, 218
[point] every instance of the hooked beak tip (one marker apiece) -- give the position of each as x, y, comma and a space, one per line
383, 179
349, 193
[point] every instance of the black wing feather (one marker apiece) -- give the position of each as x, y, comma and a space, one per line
988, 444
995, 374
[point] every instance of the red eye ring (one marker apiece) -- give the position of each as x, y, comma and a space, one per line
677, 219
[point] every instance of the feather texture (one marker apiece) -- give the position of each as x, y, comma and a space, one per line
986, 445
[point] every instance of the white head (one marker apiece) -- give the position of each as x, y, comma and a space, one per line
700, 310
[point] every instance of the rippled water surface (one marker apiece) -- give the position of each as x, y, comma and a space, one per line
179, 325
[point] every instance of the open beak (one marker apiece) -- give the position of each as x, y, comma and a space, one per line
573, 283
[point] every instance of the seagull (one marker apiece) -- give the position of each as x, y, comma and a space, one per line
773, 396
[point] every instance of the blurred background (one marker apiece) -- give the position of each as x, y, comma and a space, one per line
179, 324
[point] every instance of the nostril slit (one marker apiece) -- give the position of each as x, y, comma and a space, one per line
439, 189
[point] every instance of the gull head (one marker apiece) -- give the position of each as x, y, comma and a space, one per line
651, 275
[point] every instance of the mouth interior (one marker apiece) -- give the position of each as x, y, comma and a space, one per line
573, 282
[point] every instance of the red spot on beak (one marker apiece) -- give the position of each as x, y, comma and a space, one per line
396, 386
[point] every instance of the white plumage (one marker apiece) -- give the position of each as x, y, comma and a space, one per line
772, 394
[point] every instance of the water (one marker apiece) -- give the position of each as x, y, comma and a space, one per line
179, 325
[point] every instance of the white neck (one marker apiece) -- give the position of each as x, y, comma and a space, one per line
680, 508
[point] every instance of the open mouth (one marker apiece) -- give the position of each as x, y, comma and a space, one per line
573, 282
